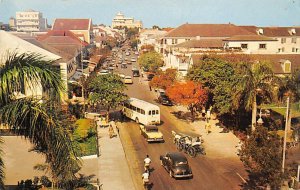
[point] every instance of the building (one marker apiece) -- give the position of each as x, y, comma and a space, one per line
30, 21
150, 37
12, 43
12, 23
121, 21
82, 28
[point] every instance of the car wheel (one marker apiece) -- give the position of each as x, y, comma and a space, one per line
192, 152
171, 173
137, 120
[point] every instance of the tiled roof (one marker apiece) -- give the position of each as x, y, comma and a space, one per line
249, 38
202, 43
252, 29
64, 35
280, 31
208, 30
72, 24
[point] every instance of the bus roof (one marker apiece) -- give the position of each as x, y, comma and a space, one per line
142, 104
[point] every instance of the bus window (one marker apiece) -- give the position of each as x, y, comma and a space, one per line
143, 112
156, 111
138, 110
153, 112
149, 112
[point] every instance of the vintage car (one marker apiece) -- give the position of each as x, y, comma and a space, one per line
151, 133
164, 100
177, 165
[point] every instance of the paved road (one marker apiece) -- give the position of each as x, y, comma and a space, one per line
209, 172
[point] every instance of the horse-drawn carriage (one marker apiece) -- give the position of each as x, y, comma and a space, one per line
190, 145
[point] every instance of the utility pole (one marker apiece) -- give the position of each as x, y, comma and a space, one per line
285, 132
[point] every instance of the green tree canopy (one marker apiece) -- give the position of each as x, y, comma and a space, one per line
254, 79
218, 76
151, 61
107, 90
35, 118
262, 155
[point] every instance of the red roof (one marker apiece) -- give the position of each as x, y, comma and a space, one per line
208, 30
72, 24
280, 31
61, 36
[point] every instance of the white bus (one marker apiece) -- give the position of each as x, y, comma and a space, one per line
141, 111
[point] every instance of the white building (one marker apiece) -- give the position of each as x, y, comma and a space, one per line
30, 21
121, 21
151, 37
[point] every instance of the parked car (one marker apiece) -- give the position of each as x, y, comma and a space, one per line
133, 59
127, 53
136, 53
128, 80
103, 72
151, 133
177, 165
135, 73
124, 65
150, 76
164, 100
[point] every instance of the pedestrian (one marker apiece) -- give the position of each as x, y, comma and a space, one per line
207, 127
208, 115
150, 88
203, 113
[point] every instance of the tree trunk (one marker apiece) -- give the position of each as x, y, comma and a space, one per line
254, 112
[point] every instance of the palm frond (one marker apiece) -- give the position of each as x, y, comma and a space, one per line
27, 71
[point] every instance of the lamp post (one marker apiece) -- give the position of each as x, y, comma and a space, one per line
260, 120
285, 133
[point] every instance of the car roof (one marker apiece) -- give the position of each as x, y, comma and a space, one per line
128, 77
177, 156
149, 127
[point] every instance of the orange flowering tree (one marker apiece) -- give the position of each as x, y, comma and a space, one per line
164, 79
189, 94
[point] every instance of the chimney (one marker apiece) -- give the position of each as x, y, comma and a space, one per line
260, 31
197, 37
292, 31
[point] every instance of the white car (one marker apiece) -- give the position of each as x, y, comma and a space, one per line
128, 80
136, 53
133, 59
103, 72
127, 53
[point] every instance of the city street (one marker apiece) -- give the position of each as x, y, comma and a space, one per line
209, 172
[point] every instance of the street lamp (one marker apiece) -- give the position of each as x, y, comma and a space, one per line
285, 132
260, 121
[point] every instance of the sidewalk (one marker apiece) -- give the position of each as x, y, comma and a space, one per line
114, 172
216, 144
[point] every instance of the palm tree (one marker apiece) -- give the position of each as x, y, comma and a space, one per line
36, 118
255, 80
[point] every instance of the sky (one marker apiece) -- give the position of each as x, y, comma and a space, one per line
164, 13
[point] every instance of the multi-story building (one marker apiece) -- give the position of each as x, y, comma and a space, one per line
121, 21
82, 28
12, 23
30, 21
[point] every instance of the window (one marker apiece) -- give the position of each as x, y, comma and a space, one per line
149, 112
294, 40
293, 49
157, 112
262, 46
174, 41
143, 112
244, 46
296, 50
282, 49
283, 40
138, 110
153, 112
279, 50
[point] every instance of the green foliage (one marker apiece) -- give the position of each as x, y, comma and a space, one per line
82, 129
107, 90
84, 137
39, 121
151, 61
134, 43
218, 76
131, 32
262, 156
